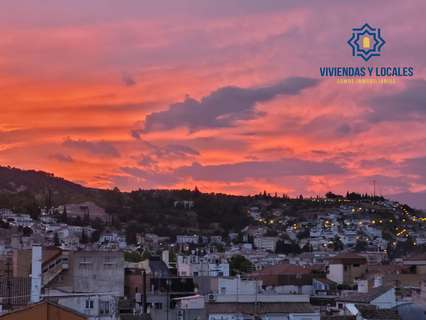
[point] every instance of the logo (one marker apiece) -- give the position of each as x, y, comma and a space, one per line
366, 42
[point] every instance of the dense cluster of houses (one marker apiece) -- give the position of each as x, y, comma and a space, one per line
54, 266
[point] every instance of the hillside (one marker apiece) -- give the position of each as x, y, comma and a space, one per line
16, 185
27, 191
16, 180
166, 212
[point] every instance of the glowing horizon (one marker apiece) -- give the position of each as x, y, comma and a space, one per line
223, 96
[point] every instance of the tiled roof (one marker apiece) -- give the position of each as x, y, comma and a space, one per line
259, 308
135, 317
365, 297
416, 257
327, 281
157, 266
282, 269
372, 313
42, 307
348, 258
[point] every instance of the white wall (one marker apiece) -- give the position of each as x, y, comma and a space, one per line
305, 316
78, 303
291, 289
385, 301
192, 303
234, 286
225, 317
335, 273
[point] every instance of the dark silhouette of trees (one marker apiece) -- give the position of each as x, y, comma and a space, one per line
238, 264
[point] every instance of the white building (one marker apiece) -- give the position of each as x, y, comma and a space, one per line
100, 306
112, 240
187, 239
266, 243
382, 297
236, 286
269, 311
193, 265
187, 204
92, 284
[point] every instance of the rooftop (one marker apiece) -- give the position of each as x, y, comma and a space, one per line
282, 269
373, 313
262, 308
348, 258
360, 297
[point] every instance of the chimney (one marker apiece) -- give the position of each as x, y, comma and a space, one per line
362, 286
36, 273
378, 281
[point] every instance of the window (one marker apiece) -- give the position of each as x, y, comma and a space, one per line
109, 263
158, 305
104, 307
89, 304
85, 263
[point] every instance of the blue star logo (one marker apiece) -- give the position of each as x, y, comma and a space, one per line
366, 42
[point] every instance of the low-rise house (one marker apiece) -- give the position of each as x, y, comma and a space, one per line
382, 297
112, 240
186, 204
255, 213
216, 239
285, 279
155, 267
267, 243
44, 310
345, 268
208, 265
251, 311
83, 210
19, 220
349, 238
187, 239
253, 231
71, 243
364, 312
92, 283
416, 263
323, 286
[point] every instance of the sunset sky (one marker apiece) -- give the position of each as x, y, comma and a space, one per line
223, 94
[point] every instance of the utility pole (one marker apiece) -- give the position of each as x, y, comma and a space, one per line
8, 303
145, 301
168, 299
374, 189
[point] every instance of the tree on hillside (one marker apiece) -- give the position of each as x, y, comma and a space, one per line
131, 235
240, 265
337, 244
27, 231
132, 256
287, 248
361, 245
